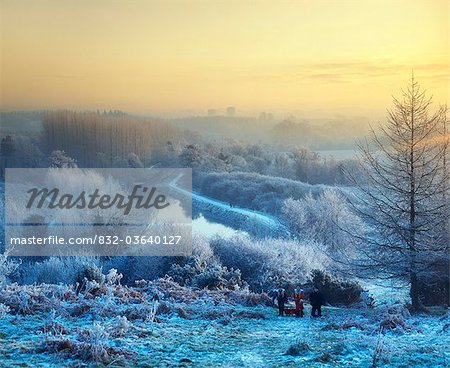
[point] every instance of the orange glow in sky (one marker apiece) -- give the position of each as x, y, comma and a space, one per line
158, 56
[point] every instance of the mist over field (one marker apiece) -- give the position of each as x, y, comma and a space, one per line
334, 133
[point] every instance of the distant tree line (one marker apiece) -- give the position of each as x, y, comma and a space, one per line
103, 139
115, 139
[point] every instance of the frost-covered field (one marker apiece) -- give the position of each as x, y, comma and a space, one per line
119, 326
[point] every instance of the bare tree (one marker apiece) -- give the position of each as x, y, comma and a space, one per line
404, 191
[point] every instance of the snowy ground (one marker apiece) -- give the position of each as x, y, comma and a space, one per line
113, 326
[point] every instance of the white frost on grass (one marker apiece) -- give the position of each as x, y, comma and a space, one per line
109, 325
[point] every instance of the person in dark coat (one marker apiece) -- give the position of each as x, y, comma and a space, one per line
316, 300
281, 300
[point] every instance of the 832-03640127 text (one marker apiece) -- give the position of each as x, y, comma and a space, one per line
99, 240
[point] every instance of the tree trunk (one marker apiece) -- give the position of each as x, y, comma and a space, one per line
414, 292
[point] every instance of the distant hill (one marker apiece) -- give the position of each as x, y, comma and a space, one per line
236, 127
318, 134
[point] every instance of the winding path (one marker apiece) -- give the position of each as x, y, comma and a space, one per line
249, 218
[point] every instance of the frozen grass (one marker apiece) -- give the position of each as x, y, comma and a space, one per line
109, 324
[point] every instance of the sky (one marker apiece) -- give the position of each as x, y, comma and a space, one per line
143, 56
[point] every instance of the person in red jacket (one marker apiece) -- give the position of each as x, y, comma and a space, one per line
299, 298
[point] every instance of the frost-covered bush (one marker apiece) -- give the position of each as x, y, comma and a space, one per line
53, 270
201, 249
113, 277
91, 272
325, 219
395, 318
32, 299
395, 323
120, 326
139, 268
208, 275
270, 262
192, 266
216, 276
336, 291
4, 310
152, 268
92, 345
250, 299
183, 275
59, 159
7, 267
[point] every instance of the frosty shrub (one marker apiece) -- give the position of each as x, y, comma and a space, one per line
91, 272
139, 268
183, 275
395, 318
250, 299
206, 275
336, 292
7, 267
120, 326
201, 249
59, 159
216, 276
32, 299
113, 277
92, 345
325, 219
4, 310
53, 270
267, 263
193, 266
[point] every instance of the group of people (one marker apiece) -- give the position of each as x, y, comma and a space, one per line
316, 299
